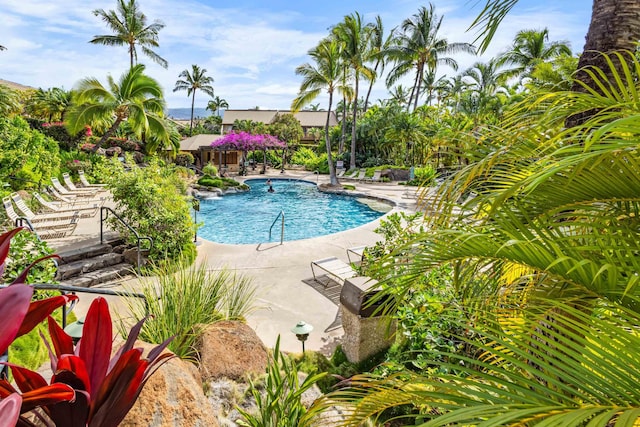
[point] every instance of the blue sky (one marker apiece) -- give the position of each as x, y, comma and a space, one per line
251, 48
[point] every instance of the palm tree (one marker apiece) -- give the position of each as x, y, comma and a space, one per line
419, 48
216, 104
399, 95
136, 98
130, 28
530, 48
354, 36
50, 104
377, 47
485, 78
191, 82
2, 47
325, 74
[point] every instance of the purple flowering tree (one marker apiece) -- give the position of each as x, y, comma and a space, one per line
245, 141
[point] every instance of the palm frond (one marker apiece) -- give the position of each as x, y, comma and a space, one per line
563, 365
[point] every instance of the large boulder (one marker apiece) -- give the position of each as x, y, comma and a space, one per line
113, 151
173, 396
231, 349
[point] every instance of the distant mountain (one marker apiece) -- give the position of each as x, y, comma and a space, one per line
185, 113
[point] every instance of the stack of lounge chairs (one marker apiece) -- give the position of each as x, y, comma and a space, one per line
61, 215
47, 227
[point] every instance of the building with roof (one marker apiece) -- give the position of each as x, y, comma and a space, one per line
308, 120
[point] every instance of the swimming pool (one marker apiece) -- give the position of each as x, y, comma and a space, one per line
245, 218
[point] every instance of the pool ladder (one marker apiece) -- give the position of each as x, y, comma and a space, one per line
280, 215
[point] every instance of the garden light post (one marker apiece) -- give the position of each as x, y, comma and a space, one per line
302, 330
74, 330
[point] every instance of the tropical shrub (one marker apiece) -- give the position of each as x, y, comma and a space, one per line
59, 133
224, 183
210, 169
423, 176
303, 155
27, 157
183, 301
153, 201
25, 249
278, 400
184, 159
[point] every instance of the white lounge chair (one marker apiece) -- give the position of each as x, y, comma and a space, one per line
66, 192
69, 200
36, 218
377, 176
357, 252
360, 176
335, 268
87, 184
72, 187
85, 212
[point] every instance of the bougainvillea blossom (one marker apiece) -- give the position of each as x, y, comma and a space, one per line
244, 141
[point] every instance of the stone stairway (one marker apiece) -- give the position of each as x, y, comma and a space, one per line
94, 264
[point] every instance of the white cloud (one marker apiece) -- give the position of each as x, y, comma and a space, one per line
250, 52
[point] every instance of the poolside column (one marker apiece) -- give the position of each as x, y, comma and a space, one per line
366, 331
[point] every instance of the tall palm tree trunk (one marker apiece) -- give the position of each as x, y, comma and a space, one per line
614, 27
352, 163
413, 90
375, 72
418, 85
107, 134
327, 141
193, 101
343, 130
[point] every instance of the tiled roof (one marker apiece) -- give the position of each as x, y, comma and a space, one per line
306, 118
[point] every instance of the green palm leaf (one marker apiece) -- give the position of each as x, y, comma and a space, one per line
564, 365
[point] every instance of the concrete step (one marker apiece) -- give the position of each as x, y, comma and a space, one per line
86, 265
103, 275
89, 249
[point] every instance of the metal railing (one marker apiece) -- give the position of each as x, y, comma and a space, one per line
20, 221
103, 218
280, 215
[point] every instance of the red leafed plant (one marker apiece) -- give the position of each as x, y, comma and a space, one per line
88, 386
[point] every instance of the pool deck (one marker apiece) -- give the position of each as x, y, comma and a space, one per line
286, 292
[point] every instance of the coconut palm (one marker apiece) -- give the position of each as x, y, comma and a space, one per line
354, 35
191, 82
530, 48
420, 49
129, 26
378, 44
485, 77
216, 104
325, 74
136, 98
50, 104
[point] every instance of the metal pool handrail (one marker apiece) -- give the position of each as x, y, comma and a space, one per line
281, 214
103, 218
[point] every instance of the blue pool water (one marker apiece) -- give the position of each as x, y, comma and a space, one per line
246, 217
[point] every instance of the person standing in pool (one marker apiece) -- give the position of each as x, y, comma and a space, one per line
271, 190
269, 182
